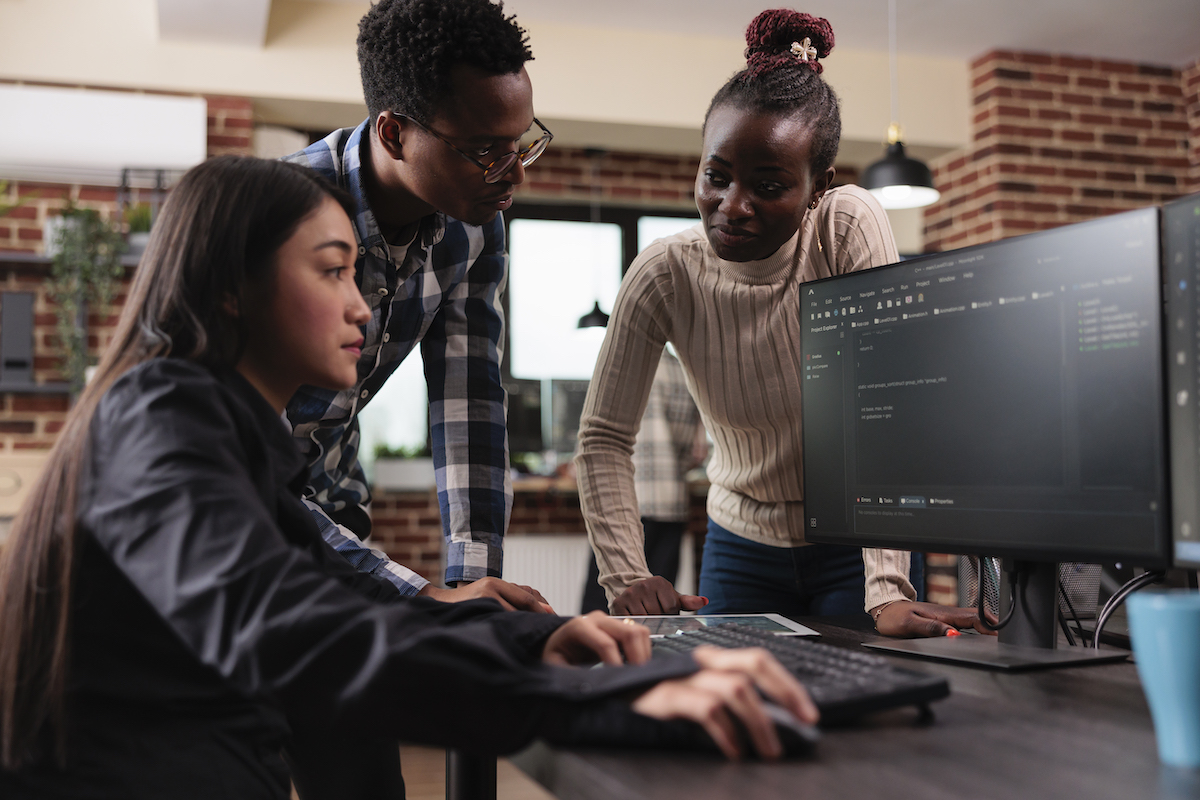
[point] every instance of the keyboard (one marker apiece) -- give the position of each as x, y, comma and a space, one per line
844, 683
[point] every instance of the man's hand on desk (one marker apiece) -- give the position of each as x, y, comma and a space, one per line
598, 637
911, 620
731, 684
654, 596
510, 595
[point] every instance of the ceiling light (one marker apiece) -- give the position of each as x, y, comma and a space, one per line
897, 180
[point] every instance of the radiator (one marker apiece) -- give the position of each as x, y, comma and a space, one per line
556, 565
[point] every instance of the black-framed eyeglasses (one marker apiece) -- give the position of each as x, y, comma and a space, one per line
531, 145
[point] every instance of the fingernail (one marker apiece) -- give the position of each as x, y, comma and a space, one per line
953, 632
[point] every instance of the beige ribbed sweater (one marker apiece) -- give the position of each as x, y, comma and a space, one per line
736, 330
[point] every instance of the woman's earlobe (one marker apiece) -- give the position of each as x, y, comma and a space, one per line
229, 305
822, 185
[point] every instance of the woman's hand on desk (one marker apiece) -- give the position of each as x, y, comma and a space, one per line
510, 595
912, 620
598, 637
654, 596
731, 684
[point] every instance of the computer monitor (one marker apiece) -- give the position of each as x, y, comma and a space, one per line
1181, 265
566, 405
524, 415
1004, 399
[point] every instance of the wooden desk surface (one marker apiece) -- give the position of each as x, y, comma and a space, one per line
1081, 732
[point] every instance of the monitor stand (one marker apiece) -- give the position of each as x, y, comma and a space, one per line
1029, 640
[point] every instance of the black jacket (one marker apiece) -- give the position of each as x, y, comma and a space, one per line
209, 616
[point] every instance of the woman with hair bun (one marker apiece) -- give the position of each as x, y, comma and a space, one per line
726, 294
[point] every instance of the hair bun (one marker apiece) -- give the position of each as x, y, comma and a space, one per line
775, 38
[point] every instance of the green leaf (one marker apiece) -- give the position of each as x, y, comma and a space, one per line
85, 272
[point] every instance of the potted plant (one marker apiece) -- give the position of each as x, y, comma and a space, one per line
403, 469
85, 271
138, 217
5, 206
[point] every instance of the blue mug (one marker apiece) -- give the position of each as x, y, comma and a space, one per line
1165, 629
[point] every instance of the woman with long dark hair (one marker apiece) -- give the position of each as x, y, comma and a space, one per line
170, 619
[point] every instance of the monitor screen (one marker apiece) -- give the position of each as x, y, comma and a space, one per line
524, 416
567, 407
1181, 262
1004, 399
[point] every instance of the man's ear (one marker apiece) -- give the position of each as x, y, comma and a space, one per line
390, 129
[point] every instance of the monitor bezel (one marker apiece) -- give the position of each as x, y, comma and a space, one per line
1183, 466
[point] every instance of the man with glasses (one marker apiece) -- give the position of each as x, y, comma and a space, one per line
449, 133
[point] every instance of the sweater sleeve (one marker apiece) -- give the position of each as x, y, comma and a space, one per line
612, 413
858, 226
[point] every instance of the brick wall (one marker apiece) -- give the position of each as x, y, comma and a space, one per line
1191, 99
408, 527
564, 174
1059, 139
32, 421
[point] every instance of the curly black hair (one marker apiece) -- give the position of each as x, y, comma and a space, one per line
407, 48
780, 77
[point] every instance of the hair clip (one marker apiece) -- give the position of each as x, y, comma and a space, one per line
804, 50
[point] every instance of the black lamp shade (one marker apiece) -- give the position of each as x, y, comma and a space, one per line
899, 181
594, 318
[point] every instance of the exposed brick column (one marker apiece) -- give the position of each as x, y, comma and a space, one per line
230, 126
1191, 92
1057, 140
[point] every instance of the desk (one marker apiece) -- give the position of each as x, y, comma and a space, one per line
1081, 732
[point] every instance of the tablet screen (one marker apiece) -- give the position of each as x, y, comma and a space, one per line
667, 625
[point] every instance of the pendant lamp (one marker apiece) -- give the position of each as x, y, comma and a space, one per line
896, 180
595, 318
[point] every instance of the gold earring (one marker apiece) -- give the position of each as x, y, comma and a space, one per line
813, 204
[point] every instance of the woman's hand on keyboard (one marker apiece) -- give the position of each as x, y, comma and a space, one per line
598, 637
731, 685
912, 620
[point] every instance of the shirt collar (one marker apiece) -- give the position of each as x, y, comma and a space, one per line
287, 463
433, 227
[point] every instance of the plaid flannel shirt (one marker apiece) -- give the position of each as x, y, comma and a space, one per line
665, 448
446, 296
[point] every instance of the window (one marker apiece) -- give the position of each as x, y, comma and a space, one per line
559, 271
398, 415
651, 228
560, 265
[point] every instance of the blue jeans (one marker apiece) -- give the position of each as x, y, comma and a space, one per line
739, 576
